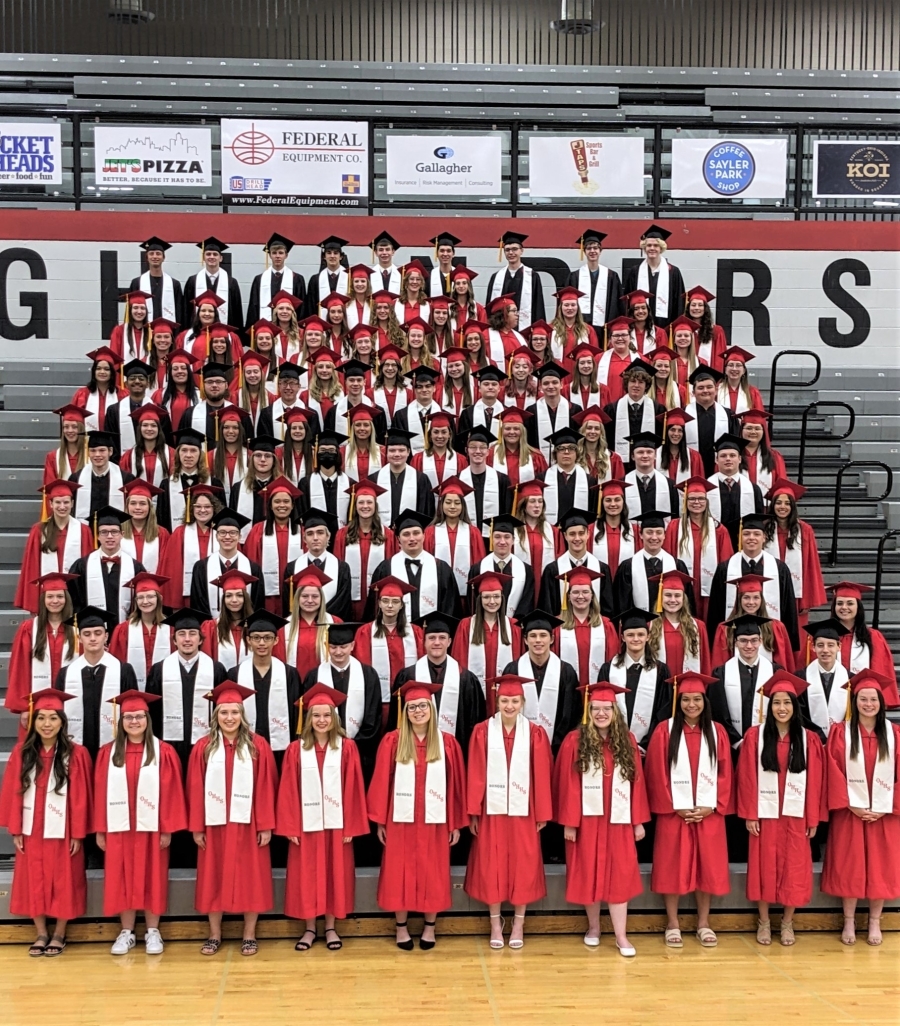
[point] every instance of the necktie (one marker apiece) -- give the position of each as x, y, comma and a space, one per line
645, 480
751, 566
318, 563
386, 279
332, 281
227, 564
635, 407
501, 565
729, 483
488, 417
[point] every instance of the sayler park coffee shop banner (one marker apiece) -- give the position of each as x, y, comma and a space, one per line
712, 168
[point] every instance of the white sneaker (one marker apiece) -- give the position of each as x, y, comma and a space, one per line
123, 943
153, 942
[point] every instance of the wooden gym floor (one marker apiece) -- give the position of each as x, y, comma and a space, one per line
554, 980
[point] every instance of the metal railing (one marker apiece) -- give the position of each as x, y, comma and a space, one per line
874, 464
894, 532
775, 383
804, 425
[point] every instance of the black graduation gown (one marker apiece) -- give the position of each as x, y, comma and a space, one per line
549, 597
448, 599
187, 421
635, 425
100, 488
471, 708
340, 606
200, 584
163, 505
676, 291
298, 290
565, 491
706, 435
718, 705
332, 494
716, 612
512, 285
648, 497
369, 734
259, 505
92, 686
262, 686
156, 291
467, 420
568, 704
526, 602
111, 579
505, 494
112, 424
662, 702
235, 306
311, 306
730, 499
613, 296
622, 587
154, 687
424, 494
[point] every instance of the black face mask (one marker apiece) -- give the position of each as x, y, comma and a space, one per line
328, 459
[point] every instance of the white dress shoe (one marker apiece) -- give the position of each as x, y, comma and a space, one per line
626, 952
153, 942
123, 943
592, 942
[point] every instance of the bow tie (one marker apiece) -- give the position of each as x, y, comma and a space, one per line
413, 562
111, 559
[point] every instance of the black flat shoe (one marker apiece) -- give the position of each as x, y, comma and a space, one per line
427, 945
406, 945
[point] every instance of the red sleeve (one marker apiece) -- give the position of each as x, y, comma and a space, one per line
378, 799
264, 785
541, 774
723, 541
340, 543
171, 565
173, 807
287, 803
51, 467
516, 641
428, 543
559, 547
780, 468
640, 803
10, 799
783, 651
725, 773
883, 662
616, 466
540, 464
19, 674
612, 637
835, 769
696, 463
356, 820
417, 461
476, 781
670, 542
476, 545
80, 793
460, 647
813, 585
719, 655
391, 545
896, 768
816, 811
705, 665
567, 783
101, 777
419, 635
164, 538
252, 547
195, 786
756, 398
656, 770
747, 785
209, 638
27, 594
118, 643
456, 794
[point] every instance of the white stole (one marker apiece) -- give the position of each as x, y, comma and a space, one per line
661, 306
623, 425
228, 655
689, 662
279, 711
177, 508
381, 662
92, 405
118, 814
508, 787
592, 795
681, 779
551, 492
137, 660
640, 586
342, 485
490, 506
55, 807
428, 581
83, 495
343, 287
96, 591
794, 804
596, 312
190, 554
600, 546
568, 650
882, 798
409, 492
475, 655
734, 695
355, 706
438, 282
331, 568
150, 561
644, 697
565, 563
221, 289
112, 686
545, 428
771, 591
748, 497
435, 790
449, 711
41, 668
523, 551
401, 401
265, 286
173, 709
213, 572
793, 560
218, 809
353, 559
541, 709
461, 560
72, 550
126, 423
375, 277
826, 712
272, 572
527, 292
321, 797
691, 434
167, 298
429, 467
709, 555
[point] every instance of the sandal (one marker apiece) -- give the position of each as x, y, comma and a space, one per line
707, 938
336, 944
406, 945
764, 932
519, 942
302, 944
56, 947
249, 947
849, 938
673, 938
787, 935
498, 944
211, 946
37, 949
874, 941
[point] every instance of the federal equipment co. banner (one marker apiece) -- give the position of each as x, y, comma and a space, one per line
295, 163
746, 168
131, 155
864, 169
434, 165
609, 166
30, 153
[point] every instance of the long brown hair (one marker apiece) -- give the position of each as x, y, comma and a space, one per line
687, 628
591, 745
31, 755
227, 619
478, 622
39, 651
376, 536
881, 729
151, 527
118, 752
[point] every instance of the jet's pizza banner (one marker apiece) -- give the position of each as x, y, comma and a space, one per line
830, 287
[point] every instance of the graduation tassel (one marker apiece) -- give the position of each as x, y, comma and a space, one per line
187, 508
665, 425
741, 536
315, 452
253, 339
671, 346
45, 508
659, 592
202, 388
352, 509
605, 338
208, 345
299, 719
849, 713
674, 693
564, 605
77, 639
599, 501
491, 536
30, 711
127, 311
584, 715
516, 500
808, 650
399, 709
761, 693
122, 376
500, 252
96, 536
217, 426
291, 593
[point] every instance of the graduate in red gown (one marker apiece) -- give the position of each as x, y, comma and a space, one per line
781, 795
302, 644
510, 801
49, 546
614, 538
48, 819
277, 540
452, 537
601, 800
364, 542
864, 647
231, 783
711, 341
676, 638
776, 643
863, 786
42, 645
143, 639
793, 541
321, 807
224, 639
690, 785
417, 801
138, 805
190, 543
587, 639
70, 455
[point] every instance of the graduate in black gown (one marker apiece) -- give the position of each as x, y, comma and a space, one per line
657, 277
166, 293
277, 278
214, 278
518, 280
593, 277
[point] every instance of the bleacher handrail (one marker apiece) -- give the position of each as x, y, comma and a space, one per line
775, 383
875, 464
879, 572
834, 438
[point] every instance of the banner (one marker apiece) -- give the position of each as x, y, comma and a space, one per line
752, 168
295, 163
856, 169
152, 156
432, 165
576, 166
30, 153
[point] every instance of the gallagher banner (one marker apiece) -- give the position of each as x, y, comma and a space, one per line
30, 153
434, 165
140, 155
856, 170
295, 163
578, 166
751, 168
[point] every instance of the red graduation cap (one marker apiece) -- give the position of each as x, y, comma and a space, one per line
454, 486
295, 414
513, 415
417, 689
104, 353
135, 297
416, 322
501, 303
145, 581
360, 412
234, 580
210, 298
870, 679
250, 356
390, 352
585, 349
455, 355
134, 701
614, 487
672, 580
323, 355
637, 297
691, 683
315, 323
699, 292
568, 292
601, 691
321, 694
660, 353
334, 299
282, 484
310, 577
848, 589
461, 271
359, 331
591, 413
754, 417
528, 489
522, 353
54, 581
683, 324
229, 692
140, 487
782, 486
58, 488
619, 324
48, 698
539, 327
384, 296
73, 413
782, 680
366, 487
696, 484
439, 303
490, 580
580, 575
749, 583
162, 324
285, 297
392, 587
473, 327
415, 265
675, 416
736, 353
509, 684
149, 411
360, 271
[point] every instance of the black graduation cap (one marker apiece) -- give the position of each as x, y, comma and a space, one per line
110, 517
756, 521
190, 436
400, 436
216, 245
424, 374
91, 616
831, 628
331, 437
437, 623
704, 372
747, 624
262, 620
230, 518
652, 518
263, 443
445, 239
354, 369
278, 240
551, 369
186, 619
476, 434
138, 367
320, 518
98, 438
591, 235
655, 232
538, 620
730, 442
506, 523
332, 242
342, 633
507, 237
645, 439
631, 619
384, 236
640, 365
489, 373
576, 518
155, 242
214, 370
565, 436
289, 370
411, 518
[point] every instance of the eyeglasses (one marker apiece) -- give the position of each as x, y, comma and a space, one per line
418, 707
134, 717
109, 532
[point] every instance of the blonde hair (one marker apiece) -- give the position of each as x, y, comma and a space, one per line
687, 534
687, 627
330, 390
595, 618
602, 453
406, 742
579, 327
151, 527
322, 621
663, 245
500, 450
243, 741
308, 735
372, 448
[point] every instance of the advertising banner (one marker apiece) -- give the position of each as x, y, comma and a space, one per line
431, 165
30, 153
295, 163
152, 156
750, 168
856, 169
577, 166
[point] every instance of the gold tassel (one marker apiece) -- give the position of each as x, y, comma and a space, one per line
665, 426
671, 345
315, 452
584, 714
599, 502
491, 536
808, 650
86, 447
564, 605
605, 338
30, 711
127, 312
253, 339
761, 693
509, 364
741, 536
217, 426
208, 345
122, 376
202, 388
45, 508
291, 592
299, 719
96, 536
240, 370
659, 592
77, 639
500, 252
187, 508
516, 500
399, 709
352, 509
674, 693
848, 714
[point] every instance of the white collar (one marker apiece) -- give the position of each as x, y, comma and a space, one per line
741, 659
189, 663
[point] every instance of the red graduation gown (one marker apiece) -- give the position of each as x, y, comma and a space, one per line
136, 869
321, 873
675, 648
118, 646
688, 856
881, 660
583, 633
724, 550
171, 565
810, 567
505, 862
252, 549
860, 858
306, 655
602, 862
51, 466
47, 880
28, 594
234, 874
783, 654
779, 865
362, 648
415, 865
